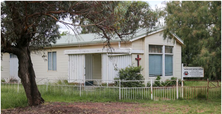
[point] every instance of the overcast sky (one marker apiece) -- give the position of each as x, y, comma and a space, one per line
153, 4
159, 4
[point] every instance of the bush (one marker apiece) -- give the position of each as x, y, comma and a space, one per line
148, 84
171, 82
62, 82
130, 73
157, 82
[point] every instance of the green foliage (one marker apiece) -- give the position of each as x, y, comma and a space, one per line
167, 83
131, 73
62, 82
126, 17
171, 82
148, 84
157, 83
198, 24
158, 78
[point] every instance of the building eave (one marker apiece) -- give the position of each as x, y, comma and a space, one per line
99, 50
178, 38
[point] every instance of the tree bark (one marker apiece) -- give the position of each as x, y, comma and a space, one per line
27, 75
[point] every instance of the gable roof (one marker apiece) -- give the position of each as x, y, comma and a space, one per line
92, 38
144, 34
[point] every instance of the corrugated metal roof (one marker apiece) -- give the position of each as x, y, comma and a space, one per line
92, 38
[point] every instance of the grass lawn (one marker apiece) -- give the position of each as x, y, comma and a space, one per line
11, 99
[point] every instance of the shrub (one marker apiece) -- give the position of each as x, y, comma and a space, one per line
173, 81
157, 82
62, 82
130, 73
148, 84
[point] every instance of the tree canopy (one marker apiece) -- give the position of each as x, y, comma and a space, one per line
33, 24
199, 25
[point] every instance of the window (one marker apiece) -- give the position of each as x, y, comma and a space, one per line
52, 61
155, 49
155, 65
157, 62
168, 60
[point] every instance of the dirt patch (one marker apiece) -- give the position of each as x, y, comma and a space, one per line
82, 108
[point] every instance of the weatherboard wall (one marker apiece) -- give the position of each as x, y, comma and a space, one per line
157, 39
5, 67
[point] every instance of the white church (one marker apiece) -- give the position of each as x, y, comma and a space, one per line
79, 58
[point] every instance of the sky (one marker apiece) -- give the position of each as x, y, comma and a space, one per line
159, 4
153, 4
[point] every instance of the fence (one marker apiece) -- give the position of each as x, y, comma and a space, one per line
150, 90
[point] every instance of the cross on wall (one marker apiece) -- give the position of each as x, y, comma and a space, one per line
138, 59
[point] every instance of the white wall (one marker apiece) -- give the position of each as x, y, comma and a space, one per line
41, 66
157, 39
5, 67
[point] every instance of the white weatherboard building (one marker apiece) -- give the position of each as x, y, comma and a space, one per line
76, 58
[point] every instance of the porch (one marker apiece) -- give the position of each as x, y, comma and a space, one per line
96, 66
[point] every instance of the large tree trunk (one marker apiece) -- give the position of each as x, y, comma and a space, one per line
27, 76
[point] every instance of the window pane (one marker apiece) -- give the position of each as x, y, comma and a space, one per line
168, 65
155, 49
169, 49
54, 61
49, 61
155, 65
